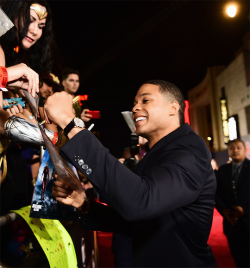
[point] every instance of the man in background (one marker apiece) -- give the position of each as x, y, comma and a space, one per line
232, 201
71, 83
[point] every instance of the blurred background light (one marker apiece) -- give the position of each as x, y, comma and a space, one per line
231, 11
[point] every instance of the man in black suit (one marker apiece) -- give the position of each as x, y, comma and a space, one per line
167, 206
232, 201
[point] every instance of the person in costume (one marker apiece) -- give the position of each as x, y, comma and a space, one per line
29, 42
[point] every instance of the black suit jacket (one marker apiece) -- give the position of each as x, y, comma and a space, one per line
225, 196
167, 206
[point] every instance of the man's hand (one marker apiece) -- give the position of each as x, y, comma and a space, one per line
237, 213
58, 109
84, 116
63, 193
227, 214
21, 76
233, 216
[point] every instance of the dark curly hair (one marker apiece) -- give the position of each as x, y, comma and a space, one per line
39, 56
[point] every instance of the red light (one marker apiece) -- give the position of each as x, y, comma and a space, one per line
82, 98
186, 112
16, 49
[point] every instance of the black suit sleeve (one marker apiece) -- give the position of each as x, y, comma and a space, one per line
175, 182
106, 219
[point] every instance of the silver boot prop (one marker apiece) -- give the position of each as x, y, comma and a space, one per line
21, 130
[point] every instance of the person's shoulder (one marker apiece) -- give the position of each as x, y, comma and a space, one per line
192, 140
247, 161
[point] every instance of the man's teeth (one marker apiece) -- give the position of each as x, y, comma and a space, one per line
139, 119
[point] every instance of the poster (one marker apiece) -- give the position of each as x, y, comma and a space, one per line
44, 205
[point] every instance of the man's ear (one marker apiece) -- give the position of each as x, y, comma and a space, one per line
174, 109
63, 83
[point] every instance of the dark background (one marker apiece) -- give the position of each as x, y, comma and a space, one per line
117, 45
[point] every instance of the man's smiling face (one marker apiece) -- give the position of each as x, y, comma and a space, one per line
151, 112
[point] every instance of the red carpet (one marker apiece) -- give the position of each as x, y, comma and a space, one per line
217, 242
106, 257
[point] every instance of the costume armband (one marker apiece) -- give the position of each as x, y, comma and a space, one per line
21, 130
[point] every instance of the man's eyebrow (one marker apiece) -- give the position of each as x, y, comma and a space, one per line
143, 94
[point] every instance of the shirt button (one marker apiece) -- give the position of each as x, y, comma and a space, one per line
85, 166
80, 162
89, 171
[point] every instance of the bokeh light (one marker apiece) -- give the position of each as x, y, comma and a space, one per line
231, 11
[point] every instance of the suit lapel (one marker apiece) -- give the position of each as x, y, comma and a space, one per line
182, 130
243, 174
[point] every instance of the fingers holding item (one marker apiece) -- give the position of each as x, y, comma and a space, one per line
5, 103
15, 109
60, 192
9, 112
20, 108
84, 116
47, 120
35, 83
36, 77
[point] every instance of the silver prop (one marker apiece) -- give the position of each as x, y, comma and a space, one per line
62, 167
129, 120
21, 130
5, 23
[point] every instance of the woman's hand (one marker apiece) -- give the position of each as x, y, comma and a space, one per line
20, 76
15, 109
63, 193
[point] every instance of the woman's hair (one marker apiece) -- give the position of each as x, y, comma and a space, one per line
39, 56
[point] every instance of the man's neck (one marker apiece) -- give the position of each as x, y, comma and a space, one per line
155, 137
237, 162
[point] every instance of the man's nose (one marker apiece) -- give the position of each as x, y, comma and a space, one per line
136, 108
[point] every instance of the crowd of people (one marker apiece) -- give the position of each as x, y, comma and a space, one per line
161, 213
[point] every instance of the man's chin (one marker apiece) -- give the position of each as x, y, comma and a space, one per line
141, 133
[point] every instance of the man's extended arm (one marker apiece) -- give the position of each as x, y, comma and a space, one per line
174, 183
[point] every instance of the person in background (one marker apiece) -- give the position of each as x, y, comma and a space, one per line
214, 164
232, 201
71, 83
215, 167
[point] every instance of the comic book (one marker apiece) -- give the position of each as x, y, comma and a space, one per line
44, 205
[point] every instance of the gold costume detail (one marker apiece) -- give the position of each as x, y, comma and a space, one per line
41, 13
4, 143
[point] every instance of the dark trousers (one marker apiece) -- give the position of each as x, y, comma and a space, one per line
238, 241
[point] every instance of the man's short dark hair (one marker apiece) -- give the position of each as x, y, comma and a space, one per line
66, 72
237, 140
172, 93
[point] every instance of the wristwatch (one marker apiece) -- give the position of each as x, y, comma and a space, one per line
76, 122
